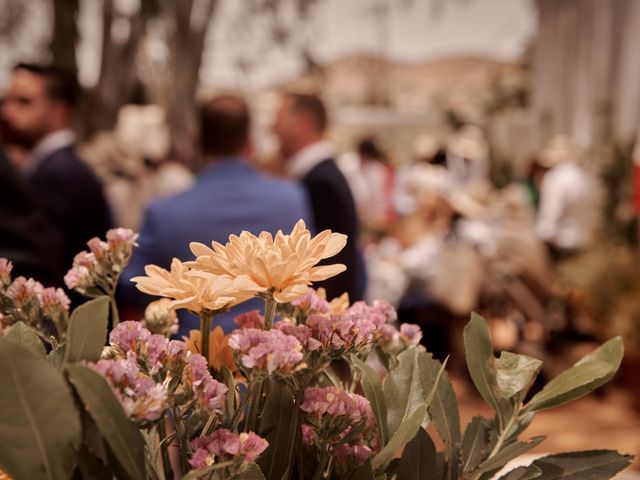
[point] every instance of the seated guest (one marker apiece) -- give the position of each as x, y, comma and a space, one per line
36, 114
300, 126
229, 197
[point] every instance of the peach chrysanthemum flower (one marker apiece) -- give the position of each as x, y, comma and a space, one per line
284, 265
193, 293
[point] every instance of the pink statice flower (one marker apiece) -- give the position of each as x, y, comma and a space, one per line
342, 332
80, 277
251, 319
301, 332
22, 290
129, 336
267, 350
142, 399
311, 302
332, 414
100, 267
155, 351
333, 401
387, 333
208, 392
410, 333
223, 445
120, 243
117, 237
54, 301
98, 248
379, 313
5, 273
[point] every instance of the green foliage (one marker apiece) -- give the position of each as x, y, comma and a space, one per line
40, 425
418, 460
87, 331
26, 336
280, 425
590, 465
123, 438
586, 375
479, 439
372, 387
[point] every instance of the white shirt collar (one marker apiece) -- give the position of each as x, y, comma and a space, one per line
306, 159
49, 144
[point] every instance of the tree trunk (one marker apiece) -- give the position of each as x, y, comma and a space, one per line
65, 34
186, 57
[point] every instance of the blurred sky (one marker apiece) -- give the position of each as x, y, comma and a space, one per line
413, 31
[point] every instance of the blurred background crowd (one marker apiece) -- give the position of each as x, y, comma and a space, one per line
480, 154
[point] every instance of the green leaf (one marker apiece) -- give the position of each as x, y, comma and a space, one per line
40, 424
516, 373
281, 421
477, 442
252, 472
481, 365
230, 397
26, 336
372, 387
590, 465
87, 332
405, 432
589, 373
403, 390
56, 357
120, 434
91, 466
523, 473
506, 454
418, 459
443, 406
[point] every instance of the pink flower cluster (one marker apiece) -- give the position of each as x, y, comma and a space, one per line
302, 332
80, 276
335, 402
251, 319
142, 399
331, 415
52, 302
5, 273
224, 444
100, 266
208, 392
267, 350
342, 332
312, 303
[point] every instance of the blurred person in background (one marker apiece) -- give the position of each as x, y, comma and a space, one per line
567, 218
378, 210
229, 196
133, 163
27, 239
300, 127
36, 115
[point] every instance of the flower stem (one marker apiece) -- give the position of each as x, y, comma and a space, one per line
205, 331
115, 316
322, 466
254, 405
269, 311
164, 448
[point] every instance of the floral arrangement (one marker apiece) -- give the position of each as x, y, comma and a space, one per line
313, 388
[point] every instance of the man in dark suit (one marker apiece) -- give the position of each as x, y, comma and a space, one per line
26, 238
36, 114
230, 196
300, 126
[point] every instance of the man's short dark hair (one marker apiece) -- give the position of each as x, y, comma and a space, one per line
313, 106
224, 125
60, 85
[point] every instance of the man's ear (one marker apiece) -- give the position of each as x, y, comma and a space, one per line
60, 116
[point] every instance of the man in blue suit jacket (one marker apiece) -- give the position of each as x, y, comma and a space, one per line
229, 197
